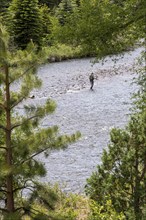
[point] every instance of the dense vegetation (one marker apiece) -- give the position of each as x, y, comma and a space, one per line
33, 32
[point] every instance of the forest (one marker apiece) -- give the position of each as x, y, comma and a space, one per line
36, 32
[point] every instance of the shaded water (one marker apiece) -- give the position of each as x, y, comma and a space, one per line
93, 113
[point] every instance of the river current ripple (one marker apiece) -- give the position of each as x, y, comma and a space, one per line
93, 113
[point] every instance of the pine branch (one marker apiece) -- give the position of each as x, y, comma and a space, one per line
19, 188
2, 127
35, 211
24, 186
3, 148
40, 151
16, 103
23, 73
28, 119
19, 208
2, 106
32, 156
2, 190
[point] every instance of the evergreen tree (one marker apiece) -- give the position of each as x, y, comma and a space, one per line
46, 24
50, 3
3, 5
121, 177
140, 96
65, 8
26, 22
22, 138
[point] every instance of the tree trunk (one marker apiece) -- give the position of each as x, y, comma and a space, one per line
136, 189
9, 158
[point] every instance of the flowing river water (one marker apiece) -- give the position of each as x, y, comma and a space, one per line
93, 113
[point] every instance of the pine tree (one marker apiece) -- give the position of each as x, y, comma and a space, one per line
22, 138
26, 22
121, 177
50, 3
3, 5
65, 8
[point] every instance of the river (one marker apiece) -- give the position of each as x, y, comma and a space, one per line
93, 113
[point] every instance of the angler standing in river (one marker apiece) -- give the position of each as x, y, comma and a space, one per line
91, 78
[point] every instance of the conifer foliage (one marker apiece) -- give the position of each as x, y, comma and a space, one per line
121, 177
3, 5
50, 3
26, 22
21, 137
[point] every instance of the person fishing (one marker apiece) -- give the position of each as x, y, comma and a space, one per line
91, 78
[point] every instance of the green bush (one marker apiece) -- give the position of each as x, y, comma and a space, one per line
104, 212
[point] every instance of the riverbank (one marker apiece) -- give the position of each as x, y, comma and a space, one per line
61, 52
